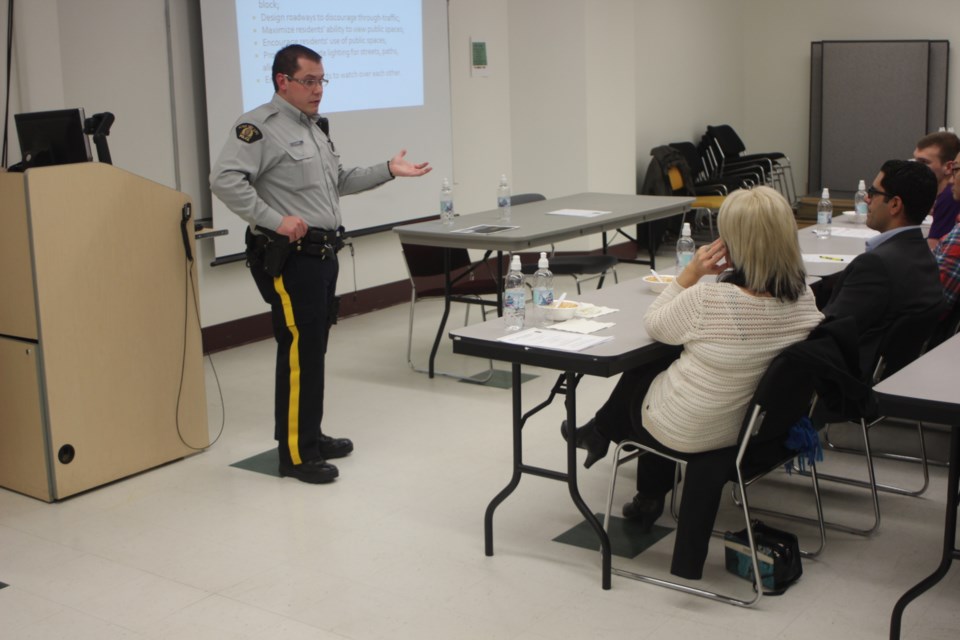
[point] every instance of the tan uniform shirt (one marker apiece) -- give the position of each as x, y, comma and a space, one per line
277, 162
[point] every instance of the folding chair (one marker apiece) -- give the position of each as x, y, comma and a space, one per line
580, 267
425, 265
903, 343
781, 399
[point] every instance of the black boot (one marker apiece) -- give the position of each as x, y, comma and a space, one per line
588, 438
644, 511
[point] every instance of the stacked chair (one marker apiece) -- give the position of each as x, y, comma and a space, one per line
670, 174
725, 154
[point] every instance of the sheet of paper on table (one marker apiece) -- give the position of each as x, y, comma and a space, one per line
580, 213
558, 340
484, 228
844, 232
587, 310
581, 325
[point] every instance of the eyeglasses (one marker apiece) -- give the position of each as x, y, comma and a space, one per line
308, 83
873, 192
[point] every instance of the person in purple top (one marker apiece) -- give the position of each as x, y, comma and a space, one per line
938, 151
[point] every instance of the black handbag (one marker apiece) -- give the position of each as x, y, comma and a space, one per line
778, 555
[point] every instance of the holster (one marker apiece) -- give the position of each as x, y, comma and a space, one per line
275, 256
268, 251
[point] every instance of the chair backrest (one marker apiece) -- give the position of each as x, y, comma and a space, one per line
691, 156
904, 341
783, 396
726, 139
524, 198
425, 261
946, 328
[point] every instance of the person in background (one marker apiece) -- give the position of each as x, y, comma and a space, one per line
280, 172
730, 331
897, 274
938, 151
947, 253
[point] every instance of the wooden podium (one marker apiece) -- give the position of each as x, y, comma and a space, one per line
101, 365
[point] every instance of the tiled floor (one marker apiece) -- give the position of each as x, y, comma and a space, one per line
394, 548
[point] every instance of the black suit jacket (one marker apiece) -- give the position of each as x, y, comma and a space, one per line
897, 278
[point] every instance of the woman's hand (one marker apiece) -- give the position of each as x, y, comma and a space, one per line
706, 261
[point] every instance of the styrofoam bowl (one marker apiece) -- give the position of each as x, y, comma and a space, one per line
657, 286
560, 310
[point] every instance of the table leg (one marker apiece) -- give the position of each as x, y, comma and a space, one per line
570, 401
447, 289
949, 538
517, 462
500, 276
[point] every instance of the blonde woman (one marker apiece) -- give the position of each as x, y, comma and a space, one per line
730, 330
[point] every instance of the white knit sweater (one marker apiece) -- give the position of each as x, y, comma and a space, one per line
729, 338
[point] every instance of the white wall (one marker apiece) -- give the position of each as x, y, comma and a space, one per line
579, 92
690, 71
776, 115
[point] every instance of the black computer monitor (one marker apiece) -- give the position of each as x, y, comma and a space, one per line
52, 137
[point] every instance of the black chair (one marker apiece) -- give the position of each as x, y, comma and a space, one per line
581, 267
948, 327
781, 399
468, 281
903, 343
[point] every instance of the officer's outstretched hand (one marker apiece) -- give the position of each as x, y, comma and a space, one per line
292, 227
402, 168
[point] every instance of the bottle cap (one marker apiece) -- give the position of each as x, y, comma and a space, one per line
543, 263
446, 184
825, 194
686, 230
503, 178
862, 186
515, 263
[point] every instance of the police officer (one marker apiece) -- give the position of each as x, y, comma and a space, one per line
280, 172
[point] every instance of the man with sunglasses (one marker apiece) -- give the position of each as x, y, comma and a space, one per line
897, 274
938, 151
280, 172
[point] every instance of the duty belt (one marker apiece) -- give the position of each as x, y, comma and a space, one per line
319, 242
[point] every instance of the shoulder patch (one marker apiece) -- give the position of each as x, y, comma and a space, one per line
248, 132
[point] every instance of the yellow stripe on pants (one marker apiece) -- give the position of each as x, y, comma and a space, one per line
293, 361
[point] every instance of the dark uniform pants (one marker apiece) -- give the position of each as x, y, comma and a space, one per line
302, 302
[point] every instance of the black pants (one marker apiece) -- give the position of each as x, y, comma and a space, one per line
303, 306
706, 474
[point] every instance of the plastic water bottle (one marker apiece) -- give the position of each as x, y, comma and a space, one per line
860, 202
514, 297
542, 285
824, 215
503, 198
685, 248
446, 202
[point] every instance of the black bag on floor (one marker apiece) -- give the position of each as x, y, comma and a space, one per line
778, 555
